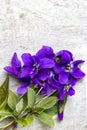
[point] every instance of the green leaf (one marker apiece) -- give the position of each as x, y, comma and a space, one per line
45, 118
53, 110
29, 118
25, 102
4, 93
5, 114
25, 121
62, 105
12, 100
22, 122
31, 97
38, 110
19, 106
48, 102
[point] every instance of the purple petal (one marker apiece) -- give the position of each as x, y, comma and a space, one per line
54, 83
22, 89
46, 89
16, 62
66, 56
37, 81
62, 94
77, 62
40, 54
60, 116
72, 81
33, 72
71, 91
11, 70
46, 63
25, 79
45, 51
27, 59
63, 77
48, 51
24, 73
77, 73
58, 68
43, 74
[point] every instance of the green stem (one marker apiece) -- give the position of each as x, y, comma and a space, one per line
39, 91
21, 96
13, 126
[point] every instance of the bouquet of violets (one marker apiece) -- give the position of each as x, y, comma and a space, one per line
47, 79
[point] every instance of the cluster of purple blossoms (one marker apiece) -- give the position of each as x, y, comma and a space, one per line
47, 70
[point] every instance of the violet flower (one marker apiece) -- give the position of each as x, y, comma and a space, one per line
47, 70
66, 68
15, 67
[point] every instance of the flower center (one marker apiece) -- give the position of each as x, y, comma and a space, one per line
36, 65
58, 58
67, 87
68, 67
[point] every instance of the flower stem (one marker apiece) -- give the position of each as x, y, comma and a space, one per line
39, 91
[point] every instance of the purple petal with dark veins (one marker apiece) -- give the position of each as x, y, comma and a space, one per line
71, 91
63, 77
77, 73
22, 89
46, 63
